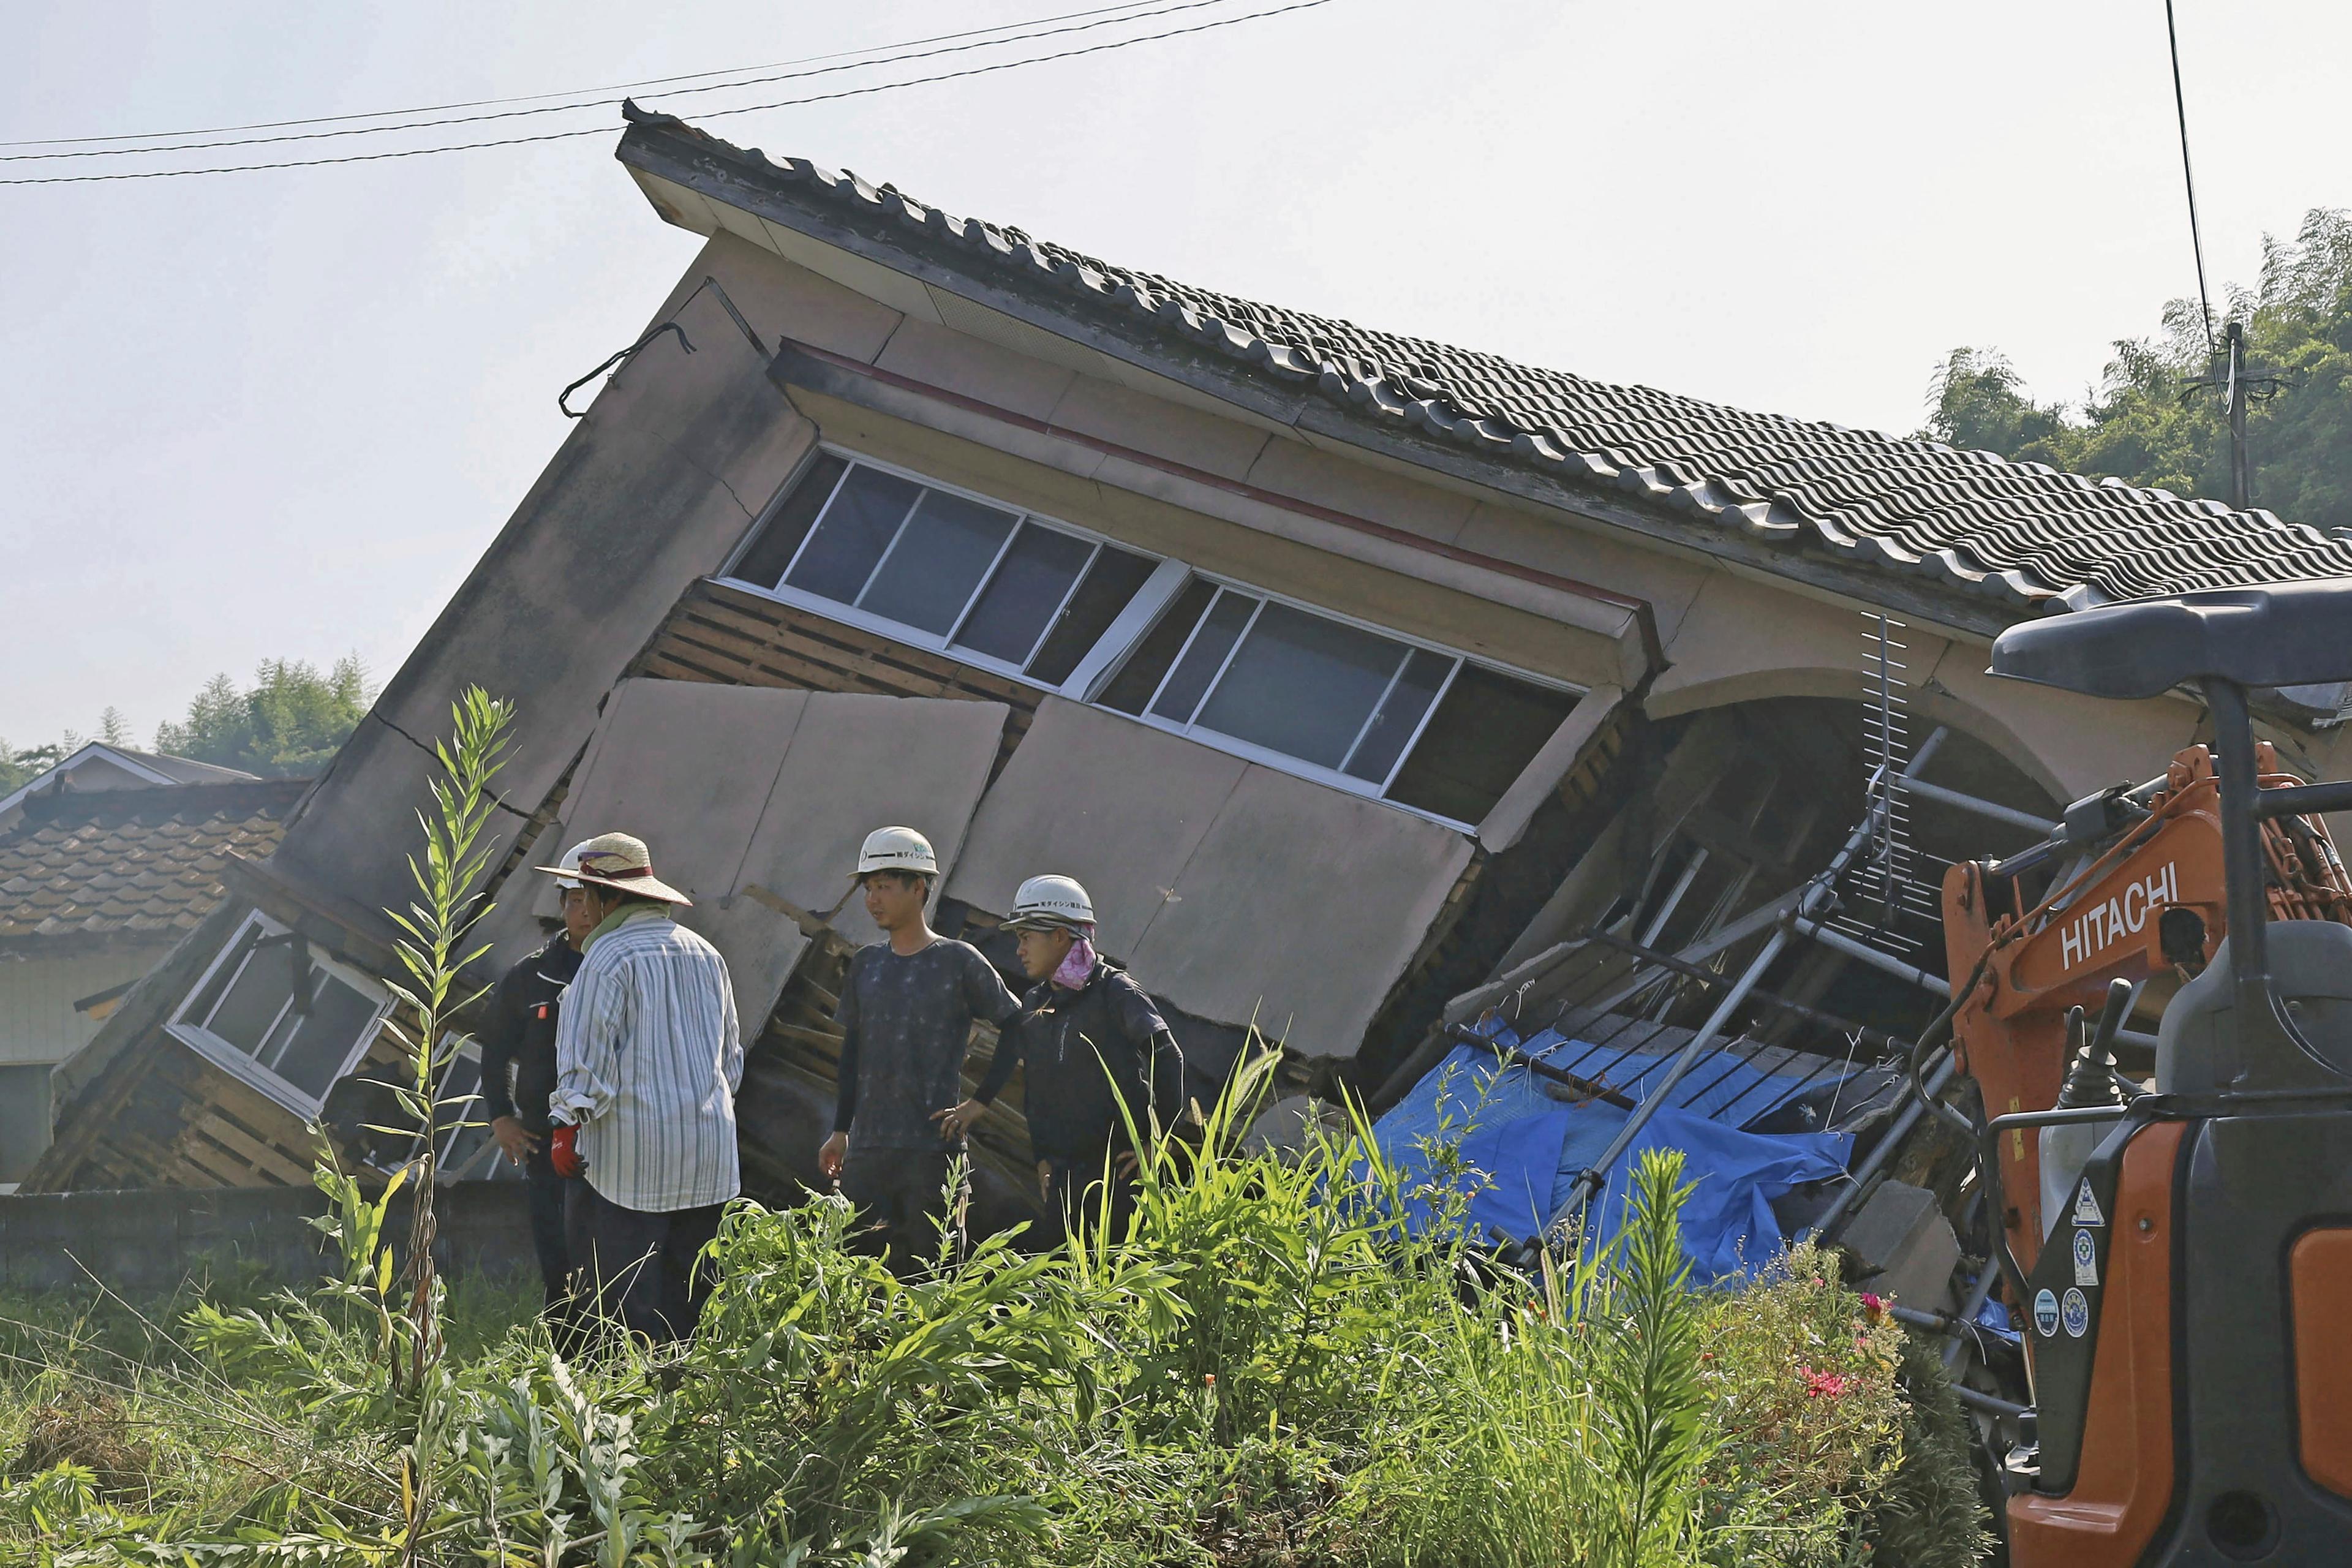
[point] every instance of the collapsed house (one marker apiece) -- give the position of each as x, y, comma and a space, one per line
1380, 691
107, 860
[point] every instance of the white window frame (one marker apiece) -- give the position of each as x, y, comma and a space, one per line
227, 1056
1192, 729
1097, 667
915, 636
453, 1048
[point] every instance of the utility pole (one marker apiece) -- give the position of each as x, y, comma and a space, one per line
2240, 389
2234, 392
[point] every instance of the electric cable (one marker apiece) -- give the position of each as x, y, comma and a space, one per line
572, 92
2188, 176
704, 114
1162, 10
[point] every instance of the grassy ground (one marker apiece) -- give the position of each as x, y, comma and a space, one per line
1267, 1373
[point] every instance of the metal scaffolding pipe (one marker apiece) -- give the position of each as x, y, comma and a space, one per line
1961, 1335
1908, 1117
1984, 808
1590, 1182
1905, 1121
1988, 1405
1815, 893
1831, 937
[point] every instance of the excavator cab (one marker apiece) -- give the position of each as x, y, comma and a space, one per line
2188, 1317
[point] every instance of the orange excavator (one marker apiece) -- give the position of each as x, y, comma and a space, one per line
2177, 1251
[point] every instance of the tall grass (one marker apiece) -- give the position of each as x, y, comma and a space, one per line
1265, 1367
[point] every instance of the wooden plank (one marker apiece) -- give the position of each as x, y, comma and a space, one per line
726, 644
773, 667
778, 629
207, 1163
807, 1036
666, 665
274, 1164
253, 1109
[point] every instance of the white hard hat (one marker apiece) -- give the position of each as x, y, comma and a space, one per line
1051, 903
896, 849
567, 865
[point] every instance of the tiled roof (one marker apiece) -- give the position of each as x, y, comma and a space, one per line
2020, 534
136, 863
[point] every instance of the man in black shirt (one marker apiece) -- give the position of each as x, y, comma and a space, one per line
517, 1040
1100, 1060
906, 1015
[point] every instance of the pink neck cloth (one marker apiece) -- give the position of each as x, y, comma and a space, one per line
1078, 965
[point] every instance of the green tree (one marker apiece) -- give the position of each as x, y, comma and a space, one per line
290, 722
18, 768
2146, 424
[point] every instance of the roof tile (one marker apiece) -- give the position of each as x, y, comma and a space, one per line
140, 861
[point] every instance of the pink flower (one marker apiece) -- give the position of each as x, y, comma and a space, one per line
1873, 1306
1824, 1384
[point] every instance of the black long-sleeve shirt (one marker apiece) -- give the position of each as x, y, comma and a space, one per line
518, 1036
1086, 1051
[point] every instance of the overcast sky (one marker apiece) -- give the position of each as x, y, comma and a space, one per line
280, 413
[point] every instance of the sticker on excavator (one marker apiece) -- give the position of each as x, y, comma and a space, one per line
2086, 1205
2086, 1259
2045, 1313
2077, 1314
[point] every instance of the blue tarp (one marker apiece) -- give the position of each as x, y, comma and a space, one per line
1528, 1148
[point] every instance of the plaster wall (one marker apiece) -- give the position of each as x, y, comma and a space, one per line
38, 1021
651, 490
1741, 640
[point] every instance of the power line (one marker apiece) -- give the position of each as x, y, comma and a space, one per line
2188, 176
1133, 15
705, 114
572, 92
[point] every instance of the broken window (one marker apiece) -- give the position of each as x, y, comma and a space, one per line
280, 1016
1349, 705
942, 569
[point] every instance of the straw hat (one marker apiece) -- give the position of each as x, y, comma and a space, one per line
618, 860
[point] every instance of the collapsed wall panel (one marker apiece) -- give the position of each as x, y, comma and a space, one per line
752, 800
1238, 892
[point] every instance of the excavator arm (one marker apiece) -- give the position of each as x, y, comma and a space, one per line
2138, 895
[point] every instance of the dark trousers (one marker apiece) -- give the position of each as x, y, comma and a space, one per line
902, 1200
643, 1271
548, 1228
1074, 1192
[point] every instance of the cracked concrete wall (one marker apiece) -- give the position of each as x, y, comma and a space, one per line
651, 491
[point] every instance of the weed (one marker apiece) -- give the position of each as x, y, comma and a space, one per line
1263, 1370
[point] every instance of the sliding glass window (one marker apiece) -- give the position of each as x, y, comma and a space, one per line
941, 568
1355, 706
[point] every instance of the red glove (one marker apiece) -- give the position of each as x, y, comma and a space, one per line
564, 1152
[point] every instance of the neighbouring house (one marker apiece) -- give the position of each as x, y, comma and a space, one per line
95, 765
1348, 670
107, 860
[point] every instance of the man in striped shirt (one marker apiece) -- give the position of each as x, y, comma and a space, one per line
649, 1054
